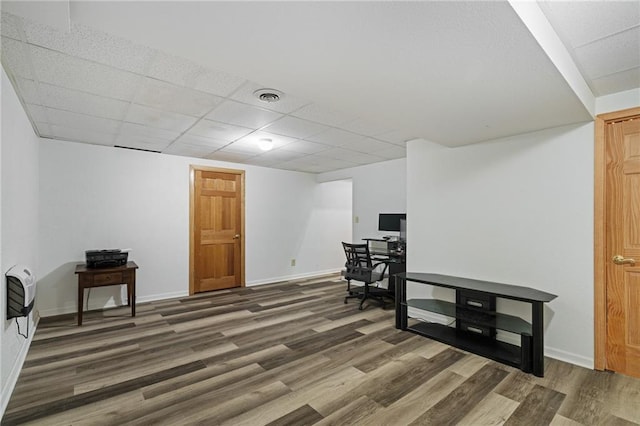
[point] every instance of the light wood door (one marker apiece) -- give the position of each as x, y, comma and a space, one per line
622, 236
217, 229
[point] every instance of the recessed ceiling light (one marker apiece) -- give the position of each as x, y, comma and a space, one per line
268, 95
265, 144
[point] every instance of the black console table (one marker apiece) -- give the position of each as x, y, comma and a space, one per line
477, 320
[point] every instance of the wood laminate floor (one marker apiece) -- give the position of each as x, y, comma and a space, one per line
288, 354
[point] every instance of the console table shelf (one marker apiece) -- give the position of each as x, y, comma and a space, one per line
477, 319
496, 350
496, 320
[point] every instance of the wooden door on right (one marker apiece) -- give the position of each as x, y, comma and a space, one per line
622, 233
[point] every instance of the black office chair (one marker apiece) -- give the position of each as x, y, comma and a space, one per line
360, 267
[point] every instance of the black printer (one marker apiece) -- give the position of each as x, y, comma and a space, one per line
106, 258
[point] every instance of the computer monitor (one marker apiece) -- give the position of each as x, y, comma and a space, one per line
390, 221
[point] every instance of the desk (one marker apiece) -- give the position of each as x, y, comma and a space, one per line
99, 277
477, 320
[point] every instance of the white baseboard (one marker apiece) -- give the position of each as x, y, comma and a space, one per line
292, 277
571, 358
162, 296
73, 308
16, 368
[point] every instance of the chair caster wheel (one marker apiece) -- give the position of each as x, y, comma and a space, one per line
345, 301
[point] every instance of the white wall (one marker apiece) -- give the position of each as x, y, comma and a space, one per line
377, 188
328, 224
519, 211
100, 197
19, 226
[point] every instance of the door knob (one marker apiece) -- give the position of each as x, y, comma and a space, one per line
619, 260
235, 237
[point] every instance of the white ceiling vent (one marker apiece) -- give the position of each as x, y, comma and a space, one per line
268, 95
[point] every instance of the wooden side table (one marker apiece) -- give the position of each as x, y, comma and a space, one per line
99, 277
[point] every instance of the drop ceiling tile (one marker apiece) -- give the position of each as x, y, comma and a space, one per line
335, 137
292, 167
169, 97
39, 34
325, 168
295, 127
240, 114
82, 121
397, 137
141, 142
581, 22
285, 105
336, 153
320, 167
362, 158
73, 73
174, 69
153, 132
28, 91
87, 103
251, 143
43, 129
335, 164
262, 161
252, 140
37, 113
293, 164
618, 82
610, 55
208, 143
15, 58
281, 155
234, 157
366, 127
319, 114
307, 160
217, 82
79, 135
90, 44
369, 145
392, 153
188, 150
220, 131
243, 148
110, 50
306, 147
161, 119
10, 26
308, 164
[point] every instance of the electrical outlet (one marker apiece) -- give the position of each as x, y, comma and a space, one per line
293, 262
